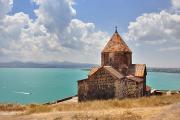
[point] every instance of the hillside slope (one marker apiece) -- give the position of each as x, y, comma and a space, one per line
149, 108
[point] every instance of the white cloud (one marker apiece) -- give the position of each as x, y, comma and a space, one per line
176, 3
5, 7
170, 49
82, 36
155, 29
54, 36
55, 15
155, 38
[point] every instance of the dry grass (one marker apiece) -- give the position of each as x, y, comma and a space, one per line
127, 115
58, 118
12, 107
126, 103
33, 108
94, 105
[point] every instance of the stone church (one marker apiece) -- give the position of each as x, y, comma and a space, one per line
117, 77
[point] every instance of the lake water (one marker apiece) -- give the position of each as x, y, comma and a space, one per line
41, 85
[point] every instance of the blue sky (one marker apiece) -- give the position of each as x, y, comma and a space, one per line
26, 6
106, 14
77, 30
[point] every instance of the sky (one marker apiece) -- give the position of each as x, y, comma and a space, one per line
77, 30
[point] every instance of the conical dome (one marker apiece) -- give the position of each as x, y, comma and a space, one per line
116, 44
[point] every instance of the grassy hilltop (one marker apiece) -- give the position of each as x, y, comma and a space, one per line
128, 109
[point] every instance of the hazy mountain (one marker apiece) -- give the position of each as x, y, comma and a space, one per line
167, 70
65, 64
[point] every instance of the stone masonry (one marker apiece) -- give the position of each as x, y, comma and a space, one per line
117, 77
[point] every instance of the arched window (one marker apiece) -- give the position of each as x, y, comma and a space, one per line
111, 58
110, 61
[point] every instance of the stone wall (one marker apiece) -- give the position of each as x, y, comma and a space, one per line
82, 90
103, 85
116, 59
128, 89
133, 89
105, 89
98, 86
119, 85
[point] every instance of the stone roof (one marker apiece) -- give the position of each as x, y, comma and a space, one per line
114, 72
116, 44
136, 79
111, 70
93, 70
138, 70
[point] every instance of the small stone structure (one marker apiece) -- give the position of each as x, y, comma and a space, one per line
117, 77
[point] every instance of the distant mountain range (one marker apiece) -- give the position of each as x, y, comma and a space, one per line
166, 70
65, 64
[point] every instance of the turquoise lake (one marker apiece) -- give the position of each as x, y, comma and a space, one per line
41, 85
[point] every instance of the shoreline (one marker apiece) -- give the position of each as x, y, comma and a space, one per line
74, 98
